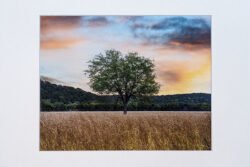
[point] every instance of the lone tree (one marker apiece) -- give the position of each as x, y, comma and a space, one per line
127, 76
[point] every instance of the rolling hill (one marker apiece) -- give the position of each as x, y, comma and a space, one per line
64, 98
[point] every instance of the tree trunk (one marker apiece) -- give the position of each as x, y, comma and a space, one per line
125, 107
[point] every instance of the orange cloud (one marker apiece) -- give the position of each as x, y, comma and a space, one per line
177, 70
57, 31
185, 77
59, 23
59, 43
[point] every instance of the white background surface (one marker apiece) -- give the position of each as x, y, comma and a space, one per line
19, 84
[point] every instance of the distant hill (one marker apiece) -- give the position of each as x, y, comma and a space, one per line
51, 80
64, 94
183, 98
64, 98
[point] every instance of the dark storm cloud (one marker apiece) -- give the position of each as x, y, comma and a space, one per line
169, 23
175, 32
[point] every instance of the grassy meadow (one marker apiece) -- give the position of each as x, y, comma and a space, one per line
134, 131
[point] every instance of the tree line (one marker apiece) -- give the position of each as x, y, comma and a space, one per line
63, 98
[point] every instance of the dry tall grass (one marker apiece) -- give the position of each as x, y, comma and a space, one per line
134, 131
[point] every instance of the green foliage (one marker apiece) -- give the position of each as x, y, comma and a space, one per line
127, 76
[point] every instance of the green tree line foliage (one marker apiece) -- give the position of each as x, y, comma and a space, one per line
64, 98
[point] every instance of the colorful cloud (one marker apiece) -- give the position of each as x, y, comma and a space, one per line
180, 47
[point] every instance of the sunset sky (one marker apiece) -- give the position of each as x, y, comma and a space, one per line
180, 47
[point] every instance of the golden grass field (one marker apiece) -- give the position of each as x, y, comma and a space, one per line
134, 131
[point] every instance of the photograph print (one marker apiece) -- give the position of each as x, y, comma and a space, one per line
125, 82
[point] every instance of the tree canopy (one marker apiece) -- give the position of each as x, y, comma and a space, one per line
127, 75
